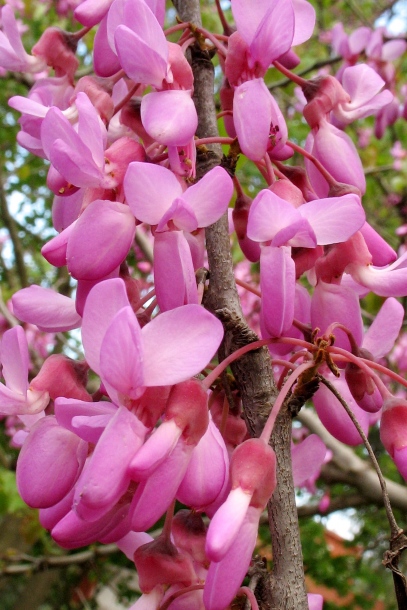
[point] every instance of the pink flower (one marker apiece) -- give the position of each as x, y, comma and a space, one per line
16, 397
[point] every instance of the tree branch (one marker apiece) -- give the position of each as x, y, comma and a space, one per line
253, 372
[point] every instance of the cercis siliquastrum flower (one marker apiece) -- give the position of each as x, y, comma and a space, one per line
106, 466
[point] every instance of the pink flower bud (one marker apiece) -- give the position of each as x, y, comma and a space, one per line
189, 534
61, 376
159, 562
49, 463
253, 469
58, 49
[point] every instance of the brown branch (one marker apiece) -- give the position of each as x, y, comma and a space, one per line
253, 372
23, 564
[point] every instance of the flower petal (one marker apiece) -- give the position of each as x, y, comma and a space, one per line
187, 338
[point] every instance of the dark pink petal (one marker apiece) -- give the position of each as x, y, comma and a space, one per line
382, 253
273, 218
14, 360
277, 283
210, 197
85, 286
105, 60
65, 210
388, 281
153, 496
86, 420
91, 128
100, 240
49, 517
174, 275
54, 251
252, 118
248, 16
50, 311
338, 154
334, 417
121, 354
202, 486
96, 319
73, 532
49, 463
155, 450
76, 164
385, 328
337, 303
150, 190
104, 478
188, 338
91, 12
169, 117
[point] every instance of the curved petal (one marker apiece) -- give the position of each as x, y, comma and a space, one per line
384, 330
174, 275
121, 354
102, 304
50, 311
141, 62
307, 458
90, 254
105, 478
188, 338
252, 118
277, 283
14, 360
334, 220
226, 523
304, 21
209, 198
169, 117
150, 190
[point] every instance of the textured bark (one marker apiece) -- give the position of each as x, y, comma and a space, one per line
253, 372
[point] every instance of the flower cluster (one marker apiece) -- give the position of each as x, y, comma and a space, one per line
106, 464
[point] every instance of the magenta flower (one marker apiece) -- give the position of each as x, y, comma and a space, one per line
125, 355
259, 123
233, 529
83, 246
363, 85
156, 197
337, 153
279, 226
49, 463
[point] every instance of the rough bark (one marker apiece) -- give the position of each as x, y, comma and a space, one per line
253, 372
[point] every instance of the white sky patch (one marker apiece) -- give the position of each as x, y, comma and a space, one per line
396, 24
